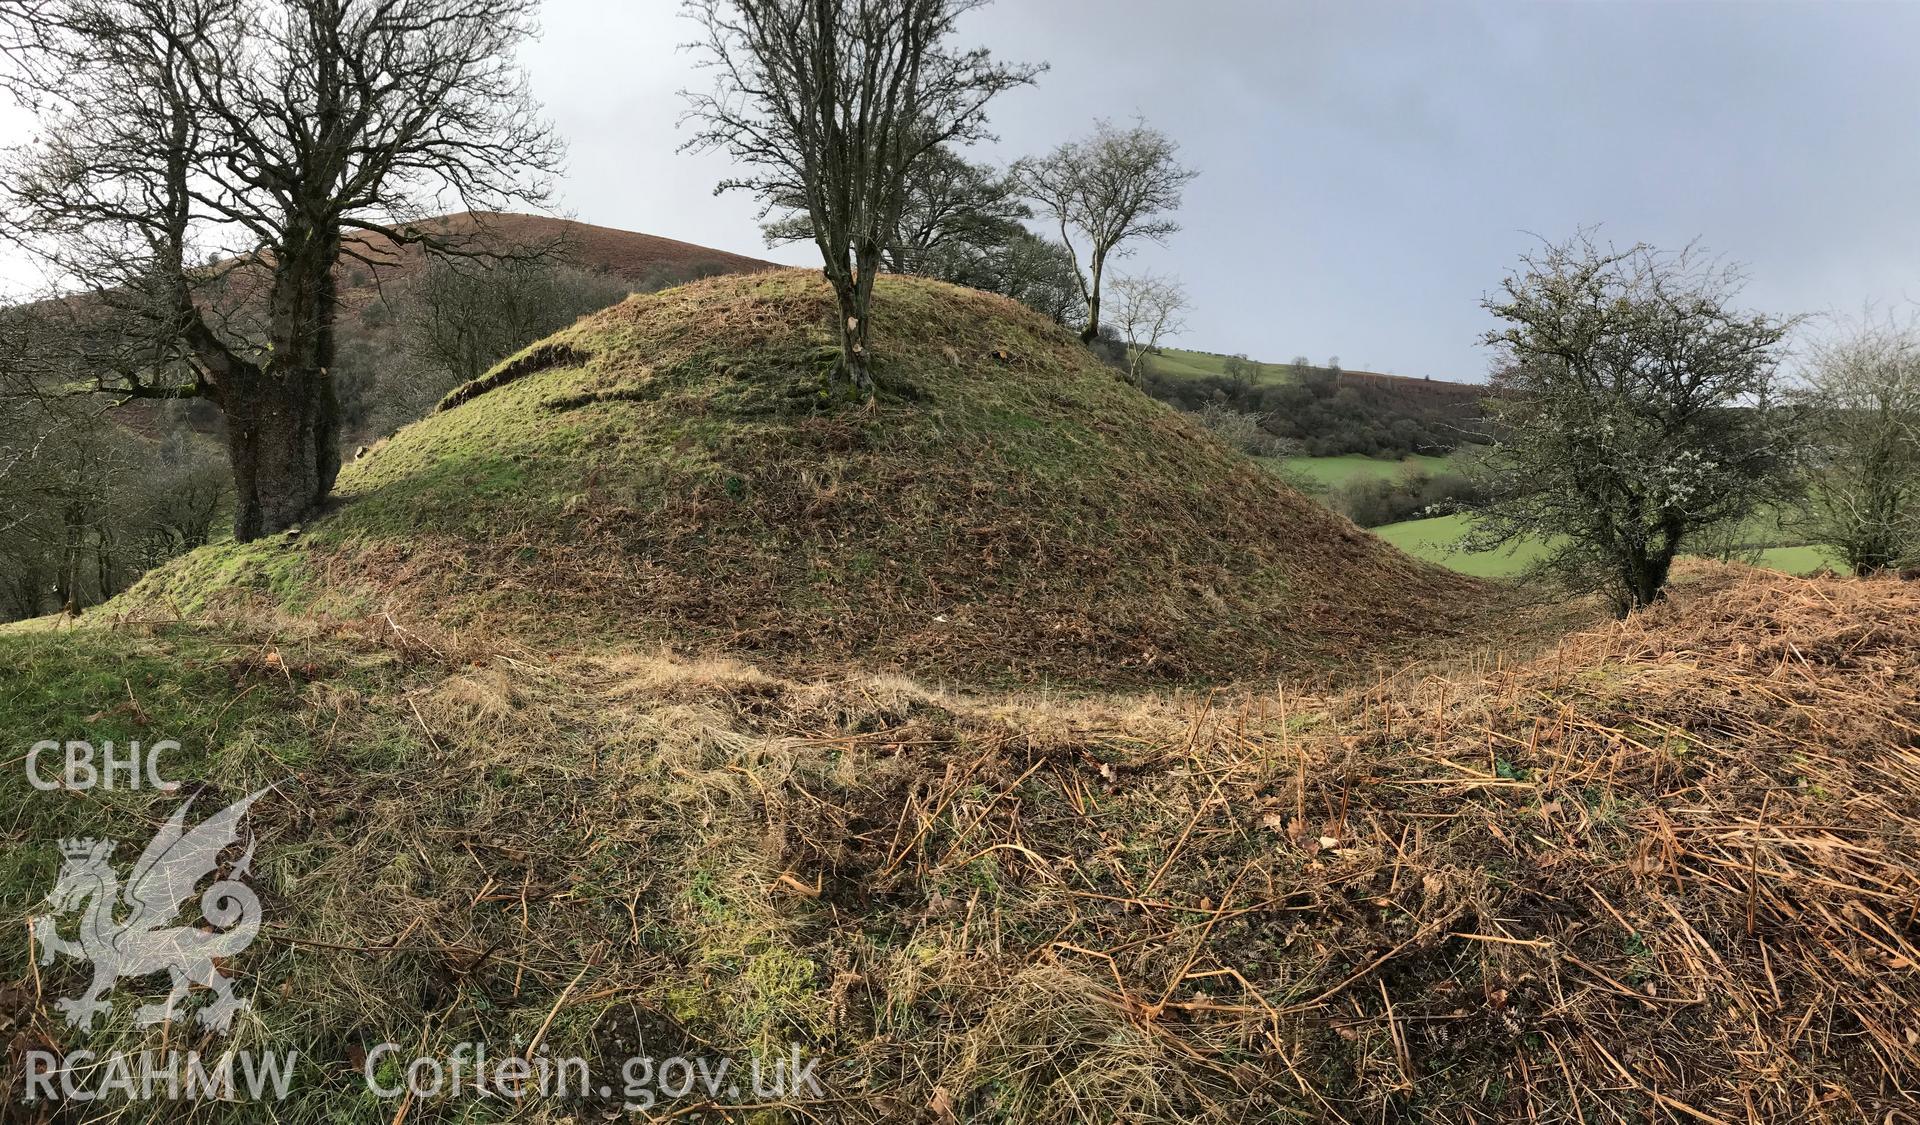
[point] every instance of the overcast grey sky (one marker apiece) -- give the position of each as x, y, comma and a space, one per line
1369, 170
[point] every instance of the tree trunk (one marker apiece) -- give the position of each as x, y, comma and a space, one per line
855, 296
854, 351
1095, 268
103, 562
283, 419
1653, 583
273, 440
66, 589
1645, 575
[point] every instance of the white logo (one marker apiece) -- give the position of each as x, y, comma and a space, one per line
147, 942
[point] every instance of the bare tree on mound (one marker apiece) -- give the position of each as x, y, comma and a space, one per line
951, 208
178, 133
1148, 309
832, 103
1113, 187
1636, 409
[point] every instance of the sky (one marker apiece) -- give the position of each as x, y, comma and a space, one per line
1369, 171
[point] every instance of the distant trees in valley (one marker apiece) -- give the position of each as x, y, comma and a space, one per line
87, 506
1376, 501
1245, 432
1319, 416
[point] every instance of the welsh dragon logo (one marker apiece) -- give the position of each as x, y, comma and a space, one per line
145, 941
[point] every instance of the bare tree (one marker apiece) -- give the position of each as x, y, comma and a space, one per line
1239, 369
20, 25
1864, 471
831, 104
462, 317
1636, 409
16, 23
1146, 309
253, 134
962, 223
1105, 191
1032, 270
953, 209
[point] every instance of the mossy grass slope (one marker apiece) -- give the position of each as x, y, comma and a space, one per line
678, 467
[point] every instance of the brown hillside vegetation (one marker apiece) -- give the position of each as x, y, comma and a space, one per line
369, 263
1409, 385
675, 469
371, 267
626, 254
1668, 872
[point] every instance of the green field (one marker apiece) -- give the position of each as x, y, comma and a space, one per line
1180, 363
1436, 540
1326, 473
1801, 560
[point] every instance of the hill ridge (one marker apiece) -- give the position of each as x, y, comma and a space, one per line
633, 255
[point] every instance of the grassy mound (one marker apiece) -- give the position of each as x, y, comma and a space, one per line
1666, 872
674, 468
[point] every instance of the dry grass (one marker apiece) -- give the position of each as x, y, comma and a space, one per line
1667, 871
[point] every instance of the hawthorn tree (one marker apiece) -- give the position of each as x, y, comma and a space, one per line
1105, 191
199, 169
832, 104
1635, 408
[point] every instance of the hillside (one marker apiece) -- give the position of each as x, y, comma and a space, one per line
626, 254
1187, 363
372, 268
580, 723
370, 264
672, 470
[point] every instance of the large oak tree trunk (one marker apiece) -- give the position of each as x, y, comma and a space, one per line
283, 448
283, 419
